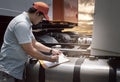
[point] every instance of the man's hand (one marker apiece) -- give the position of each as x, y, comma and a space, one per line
54, 58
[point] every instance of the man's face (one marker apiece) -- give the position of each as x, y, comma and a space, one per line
38, 19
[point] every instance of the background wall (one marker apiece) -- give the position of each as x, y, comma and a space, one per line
15, 7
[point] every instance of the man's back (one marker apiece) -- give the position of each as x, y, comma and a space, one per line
12, 56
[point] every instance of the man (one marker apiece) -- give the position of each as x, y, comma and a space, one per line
19, 43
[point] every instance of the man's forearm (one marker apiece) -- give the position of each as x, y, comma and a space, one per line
42, 47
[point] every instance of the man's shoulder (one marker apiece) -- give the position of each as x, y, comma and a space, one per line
20, 21
20, 18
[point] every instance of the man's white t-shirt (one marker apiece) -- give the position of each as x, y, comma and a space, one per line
12, 56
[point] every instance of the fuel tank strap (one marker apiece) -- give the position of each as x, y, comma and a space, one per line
76, 73
114, 64
112, 75
41, 74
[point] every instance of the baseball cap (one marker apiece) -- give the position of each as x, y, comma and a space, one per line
42, 7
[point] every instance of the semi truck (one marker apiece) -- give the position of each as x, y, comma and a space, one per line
102, 65
103, 62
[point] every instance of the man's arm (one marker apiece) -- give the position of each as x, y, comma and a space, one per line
40, 46
44, 48
29, 49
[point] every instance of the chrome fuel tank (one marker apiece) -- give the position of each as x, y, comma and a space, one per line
76, 70
94, 71
66, 72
